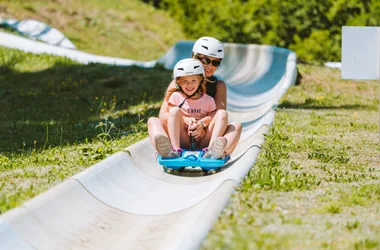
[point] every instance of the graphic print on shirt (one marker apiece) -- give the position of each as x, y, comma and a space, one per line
196, 113
193, 108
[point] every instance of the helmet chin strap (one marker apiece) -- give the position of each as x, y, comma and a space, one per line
187, 96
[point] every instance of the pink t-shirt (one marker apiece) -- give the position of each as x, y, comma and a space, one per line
193, 108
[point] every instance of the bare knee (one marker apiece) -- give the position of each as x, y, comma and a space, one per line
155, 125
221, 114
238, 127
175, 111
153, 121
235, 126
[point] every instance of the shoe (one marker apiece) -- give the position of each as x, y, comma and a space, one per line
164, 147
217, 149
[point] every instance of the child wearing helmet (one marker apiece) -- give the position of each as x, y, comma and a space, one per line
188, 105
210, 52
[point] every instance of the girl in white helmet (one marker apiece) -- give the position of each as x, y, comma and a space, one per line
210, 52
188, 104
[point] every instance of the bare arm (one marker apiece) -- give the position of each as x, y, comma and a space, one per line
221, 95
221, 103
196, 128
164, 110
207, 119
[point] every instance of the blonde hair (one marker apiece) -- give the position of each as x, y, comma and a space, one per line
201, 89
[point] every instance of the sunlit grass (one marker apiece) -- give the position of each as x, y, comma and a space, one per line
124, 28
56, 101
314, 185
59, 117
315, 182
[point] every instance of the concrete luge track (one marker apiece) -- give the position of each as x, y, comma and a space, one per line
127, 201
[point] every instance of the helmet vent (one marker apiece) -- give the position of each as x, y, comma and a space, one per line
195, 67
180, 69
220, 50
205, 47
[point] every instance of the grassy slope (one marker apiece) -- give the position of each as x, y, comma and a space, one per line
124, 28
54, 110
57, 116
67, 98
315, 184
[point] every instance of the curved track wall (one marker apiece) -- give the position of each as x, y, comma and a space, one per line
127, 201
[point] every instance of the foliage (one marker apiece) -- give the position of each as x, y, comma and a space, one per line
312, 28
318, 190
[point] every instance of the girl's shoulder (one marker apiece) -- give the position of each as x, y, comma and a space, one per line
178, 94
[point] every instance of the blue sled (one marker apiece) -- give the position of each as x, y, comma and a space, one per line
192, 159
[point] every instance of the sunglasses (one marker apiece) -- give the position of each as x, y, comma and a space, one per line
207, 61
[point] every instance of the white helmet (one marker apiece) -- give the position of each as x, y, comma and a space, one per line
209, 46
188, 67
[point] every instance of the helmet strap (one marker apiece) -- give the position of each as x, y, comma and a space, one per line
211, 79
188, 96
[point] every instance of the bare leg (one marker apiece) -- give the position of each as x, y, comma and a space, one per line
232, 135
155, 127
219, 124
177, 129
216, 128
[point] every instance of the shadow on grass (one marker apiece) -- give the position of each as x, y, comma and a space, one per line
290, 105
64, 103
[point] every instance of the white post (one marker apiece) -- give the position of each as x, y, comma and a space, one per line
361, 54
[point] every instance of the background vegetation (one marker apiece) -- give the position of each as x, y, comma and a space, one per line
315, 184
311, 28
122, 28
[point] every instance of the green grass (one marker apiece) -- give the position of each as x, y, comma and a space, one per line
316, 182
124, 28
53, 101
59, 117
